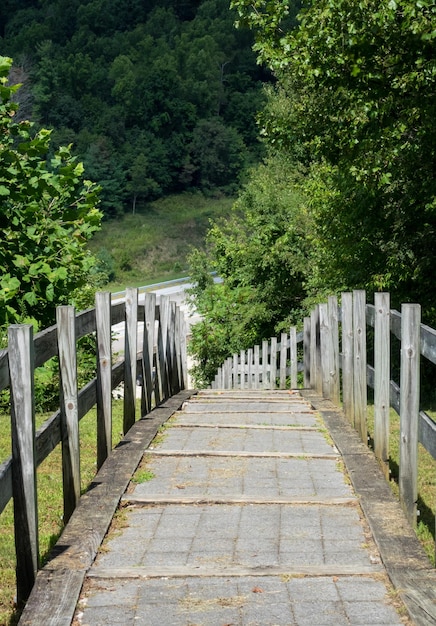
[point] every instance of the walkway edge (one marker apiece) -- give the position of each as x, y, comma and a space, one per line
56, 591
403, 556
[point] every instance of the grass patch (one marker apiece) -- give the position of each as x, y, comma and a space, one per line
142, 475
50, 502
153, 244
426, 481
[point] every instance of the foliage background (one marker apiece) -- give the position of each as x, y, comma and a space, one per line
157, 97
349, 133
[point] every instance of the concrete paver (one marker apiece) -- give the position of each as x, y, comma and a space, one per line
296, 551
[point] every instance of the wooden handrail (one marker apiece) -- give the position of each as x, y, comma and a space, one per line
161, 361
323, 360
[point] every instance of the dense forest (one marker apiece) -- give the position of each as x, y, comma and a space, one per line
346, 197
162, 97
156, 96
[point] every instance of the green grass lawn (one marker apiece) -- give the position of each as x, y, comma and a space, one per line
50, 505
153, 245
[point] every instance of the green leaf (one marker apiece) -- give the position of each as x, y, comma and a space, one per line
49, 292
30, 298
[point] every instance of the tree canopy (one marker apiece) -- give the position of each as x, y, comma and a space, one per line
352, 115
48, 212
131, 83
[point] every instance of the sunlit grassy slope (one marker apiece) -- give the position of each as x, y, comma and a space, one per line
153, 244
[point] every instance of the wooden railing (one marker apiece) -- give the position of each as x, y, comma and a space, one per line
160, 361
334, 361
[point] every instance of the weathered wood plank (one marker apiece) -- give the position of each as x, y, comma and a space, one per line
4, 369
104, 376
293, 357
250, 368
402, 554
242, 368
157, 500
178, 325
306, 353
77, 547
265, 368
244, 454
65, 317
273, 363
172, 365
334, 387
21, 367
359, 365
347, 355
130, 349
164, 317
283, 360
382, 379
245, 426
235, 378
256, 368
409, 408
324, 331
149, 357
235, 571
48, 436
184, 352
5, 483
428, 343
427, 433
312, 347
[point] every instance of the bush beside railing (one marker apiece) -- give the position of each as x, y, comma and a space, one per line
335, 364
161, 361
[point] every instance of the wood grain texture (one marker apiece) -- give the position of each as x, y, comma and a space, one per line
78, 544
409, 408
104, 376
65, 317
21, 367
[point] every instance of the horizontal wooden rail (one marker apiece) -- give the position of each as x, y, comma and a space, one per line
334, 349
159, 360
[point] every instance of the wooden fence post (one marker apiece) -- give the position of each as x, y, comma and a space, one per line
409, 408
250, 368
172, 338
183, 352
164, 355
130, 351
359, 345
179, 331
227, 373
256, 367
242, 368
235, 379
306, 353
21, 371
347, 355
334, 387
283, 360
147, 351
66, 323
264, 364
382, 379
219, 378
313, 353
104, 375
293, 357
324, 332
273, 363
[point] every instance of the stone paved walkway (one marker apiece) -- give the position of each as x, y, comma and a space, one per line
246, 518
